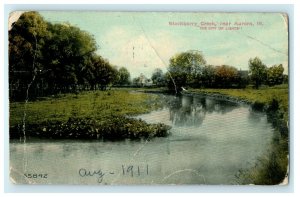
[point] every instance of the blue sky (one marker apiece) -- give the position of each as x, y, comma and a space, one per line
143, 41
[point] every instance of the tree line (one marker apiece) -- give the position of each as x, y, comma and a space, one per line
47, 59
189, 69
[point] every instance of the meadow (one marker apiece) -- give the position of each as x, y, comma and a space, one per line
264, 95
92, 114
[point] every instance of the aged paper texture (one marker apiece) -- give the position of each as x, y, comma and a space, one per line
121, 98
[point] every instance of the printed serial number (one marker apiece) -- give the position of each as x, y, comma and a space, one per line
36, 176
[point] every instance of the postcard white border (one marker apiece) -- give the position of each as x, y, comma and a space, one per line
289, 9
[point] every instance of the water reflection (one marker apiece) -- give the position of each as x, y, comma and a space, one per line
191, 111
255, 117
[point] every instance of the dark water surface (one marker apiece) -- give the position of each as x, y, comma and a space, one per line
210, 141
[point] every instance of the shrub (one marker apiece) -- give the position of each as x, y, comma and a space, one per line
110, 128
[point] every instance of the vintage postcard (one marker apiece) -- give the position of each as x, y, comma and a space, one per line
151, 98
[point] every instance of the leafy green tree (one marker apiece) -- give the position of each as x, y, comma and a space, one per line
275, 75
68, 52
208, 75
285, 79
104, 73
258, 71
107, 76
184, 68
123, 77
226, 75
158, 77
243, 78
53, 58
26, 39
136, 81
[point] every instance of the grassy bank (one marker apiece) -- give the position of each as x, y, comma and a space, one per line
264, 95
87, 115
271, 167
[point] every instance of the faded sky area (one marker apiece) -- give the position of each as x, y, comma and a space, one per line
143, 41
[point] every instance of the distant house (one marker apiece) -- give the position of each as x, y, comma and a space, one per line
142, 80
149, 82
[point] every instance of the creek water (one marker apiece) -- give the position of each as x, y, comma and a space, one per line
210, 141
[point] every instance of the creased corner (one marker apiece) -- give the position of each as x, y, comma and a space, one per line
13, 17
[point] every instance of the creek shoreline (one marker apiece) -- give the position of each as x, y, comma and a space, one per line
216, 96
88, 115
276, 123
219, 96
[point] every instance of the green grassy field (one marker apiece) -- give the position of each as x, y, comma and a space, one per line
88, 115
264, 95
97, 104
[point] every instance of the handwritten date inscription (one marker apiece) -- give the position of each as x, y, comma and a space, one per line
125, 170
